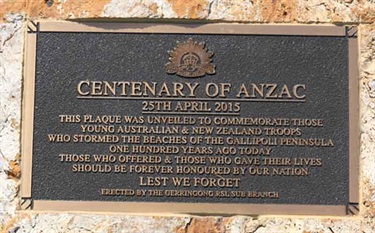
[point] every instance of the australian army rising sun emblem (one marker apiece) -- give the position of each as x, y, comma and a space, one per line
190, 59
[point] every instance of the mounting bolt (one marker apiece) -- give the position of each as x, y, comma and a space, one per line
49, 2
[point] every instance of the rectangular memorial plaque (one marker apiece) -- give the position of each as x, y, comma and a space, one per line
210, 118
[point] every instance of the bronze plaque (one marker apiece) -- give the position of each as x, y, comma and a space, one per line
178, 118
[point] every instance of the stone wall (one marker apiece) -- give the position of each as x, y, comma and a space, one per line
14, 14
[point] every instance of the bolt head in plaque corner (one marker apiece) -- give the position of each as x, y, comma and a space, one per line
190, 59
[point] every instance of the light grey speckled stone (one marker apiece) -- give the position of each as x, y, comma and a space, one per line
11, 56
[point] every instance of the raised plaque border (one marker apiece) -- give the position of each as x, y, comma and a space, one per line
168, 208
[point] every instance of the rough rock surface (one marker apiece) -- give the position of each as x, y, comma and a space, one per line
13, 14
11, 56
291, 11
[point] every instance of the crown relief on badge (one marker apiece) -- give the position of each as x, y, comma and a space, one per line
190, 59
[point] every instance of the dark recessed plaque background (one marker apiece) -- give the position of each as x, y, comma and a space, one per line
63, 59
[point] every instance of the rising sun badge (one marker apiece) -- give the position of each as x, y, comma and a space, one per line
190, 59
